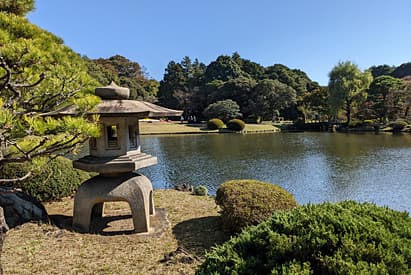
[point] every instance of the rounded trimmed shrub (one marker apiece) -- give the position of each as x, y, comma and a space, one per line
55, 180
249, 202
215, 124
200, 190
342, 238
236, 124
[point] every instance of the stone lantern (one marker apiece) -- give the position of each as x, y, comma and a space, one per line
115, 155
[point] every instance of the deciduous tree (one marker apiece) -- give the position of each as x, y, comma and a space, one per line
347, 87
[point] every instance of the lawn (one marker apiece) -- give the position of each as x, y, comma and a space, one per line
165, 127
46, 249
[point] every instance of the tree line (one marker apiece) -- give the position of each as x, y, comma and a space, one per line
380, 92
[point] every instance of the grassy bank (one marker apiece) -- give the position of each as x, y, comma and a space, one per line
46, 249
164, 127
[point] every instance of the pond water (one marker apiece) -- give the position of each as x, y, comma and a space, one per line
314, 167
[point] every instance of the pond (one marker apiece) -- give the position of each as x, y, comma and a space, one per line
314, 167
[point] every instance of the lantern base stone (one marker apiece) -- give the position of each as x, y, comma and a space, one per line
133, 188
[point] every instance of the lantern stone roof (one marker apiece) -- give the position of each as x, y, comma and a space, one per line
114, 103
113, 91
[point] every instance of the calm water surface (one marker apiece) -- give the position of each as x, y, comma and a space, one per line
315, 167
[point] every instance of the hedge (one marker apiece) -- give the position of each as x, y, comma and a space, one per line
341, 238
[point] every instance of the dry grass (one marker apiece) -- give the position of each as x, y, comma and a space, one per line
46, 249
163, 127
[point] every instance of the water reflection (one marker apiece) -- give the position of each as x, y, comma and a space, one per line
315, 167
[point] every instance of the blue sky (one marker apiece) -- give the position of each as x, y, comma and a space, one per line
311, 35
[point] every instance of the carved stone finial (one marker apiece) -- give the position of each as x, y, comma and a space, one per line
113, 91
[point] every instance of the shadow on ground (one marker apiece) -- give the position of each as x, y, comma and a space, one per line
100, 227
122, 224
200, 234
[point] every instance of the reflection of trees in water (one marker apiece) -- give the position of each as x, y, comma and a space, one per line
313, 166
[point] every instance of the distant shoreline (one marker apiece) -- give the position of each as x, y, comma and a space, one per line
177, 128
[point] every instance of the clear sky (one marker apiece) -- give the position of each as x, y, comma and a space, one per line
311, 35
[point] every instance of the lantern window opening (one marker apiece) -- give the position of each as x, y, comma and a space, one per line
112, 136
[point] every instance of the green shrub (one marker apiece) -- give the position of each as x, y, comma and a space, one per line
249, 202
200, 190
224, 110
55, 180
398, 125
236, 125
215, 124
342, 238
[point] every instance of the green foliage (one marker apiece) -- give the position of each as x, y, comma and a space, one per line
402, 71
347, 87
249, 202
223, 68
180, 87
38, 75
51, 180
238, 89
380, 70
272, 96
342, 238
200, 190
236, 124
224, 110
381, 90
317, 102
125, 72
192, 86
17, 7
215, 124
296, 79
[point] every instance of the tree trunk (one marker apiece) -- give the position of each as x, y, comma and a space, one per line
348, 111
